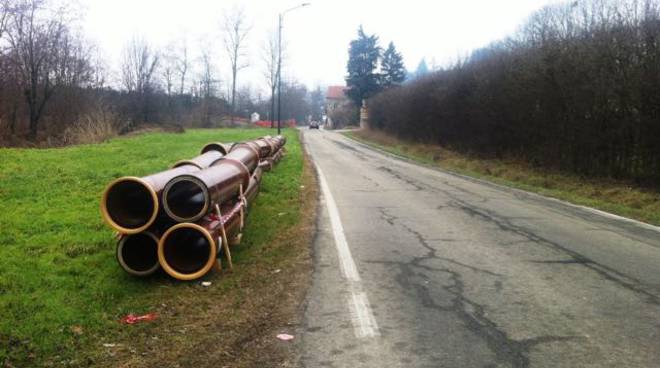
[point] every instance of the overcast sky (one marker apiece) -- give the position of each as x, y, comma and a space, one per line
317, 36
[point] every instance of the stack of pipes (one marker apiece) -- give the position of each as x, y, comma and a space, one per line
183, 218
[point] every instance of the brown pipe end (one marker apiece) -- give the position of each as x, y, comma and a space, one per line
129, 205
137, 254
187, 251
186, 199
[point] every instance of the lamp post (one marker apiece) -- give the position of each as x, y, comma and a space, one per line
279, 65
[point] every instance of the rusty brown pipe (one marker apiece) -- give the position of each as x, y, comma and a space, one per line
189, 197
206, 159
247, 153
187, 251
267, 146
223, 148
131, 205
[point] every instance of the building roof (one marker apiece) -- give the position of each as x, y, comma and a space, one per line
336, 93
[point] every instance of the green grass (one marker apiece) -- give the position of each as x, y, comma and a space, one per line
58, 273
612, 196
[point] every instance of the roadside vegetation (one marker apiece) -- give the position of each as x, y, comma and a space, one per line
575, 90
615, 196
62, 293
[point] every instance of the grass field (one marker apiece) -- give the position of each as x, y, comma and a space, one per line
61, 290
608, 195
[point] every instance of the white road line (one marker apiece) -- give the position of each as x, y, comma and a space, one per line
364, 322
346, 262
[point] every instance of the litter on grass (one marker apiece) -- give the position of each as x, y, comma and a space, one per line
133, 319
285, 337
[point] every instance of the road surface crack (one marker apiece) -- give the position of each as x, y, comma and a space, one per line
469, 312
505, 224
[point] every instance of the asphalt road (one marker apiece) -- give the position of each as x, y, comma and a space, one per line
419, 268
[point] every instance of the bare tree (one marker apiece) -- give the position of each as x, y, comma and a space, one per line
45, 55
270, 54
168, 68
138, 65
182, 64
138, 70
207, 86
235, 31
6, 7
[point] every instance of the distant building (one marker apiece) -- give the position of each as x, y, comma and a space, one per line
254, 117
335, 97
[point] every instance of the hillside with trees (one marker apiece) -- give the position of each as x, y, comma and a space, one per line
576, 89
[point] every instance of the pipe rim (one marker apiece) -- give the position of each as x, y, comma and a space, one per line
192, 179
106, 215
215, 146
213, 251
184, 163
126, 267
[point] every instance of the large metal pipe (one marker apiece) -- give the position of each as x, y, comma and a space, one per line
266, 146
206, 159
189, 197
131, 205
247, 153
187, 251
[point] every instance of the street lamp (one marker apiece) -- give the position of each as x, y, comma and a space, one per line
279, 65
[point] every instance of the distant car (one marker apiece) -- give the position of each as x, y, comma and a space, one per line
313, 125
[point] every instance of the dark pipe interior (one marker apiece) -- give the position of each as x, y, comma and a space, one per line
186, 250
185, 199
140, 252
129, 204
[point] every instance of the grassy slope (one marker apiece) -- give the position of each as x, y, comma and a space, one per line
61, 290
611, 196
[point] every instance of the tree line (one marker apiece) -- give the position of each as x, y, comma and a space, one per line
370, 69
54, 83
577, 89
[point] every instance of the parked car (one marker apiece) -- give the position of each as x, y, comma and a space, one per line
314, 125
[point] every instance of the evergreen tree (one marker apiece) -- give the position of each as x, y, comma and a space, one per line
422, 69
393, 72
362, 79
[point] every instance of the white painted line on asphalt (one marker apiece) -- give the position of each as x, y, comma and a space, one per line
364, 322
346, 262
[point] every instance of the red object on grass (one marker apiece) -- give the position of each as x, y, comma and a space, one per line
133, 319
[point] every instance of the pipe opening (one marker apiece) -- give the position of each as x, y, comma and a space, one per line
130, 204
186, 250
185, 199
138, 253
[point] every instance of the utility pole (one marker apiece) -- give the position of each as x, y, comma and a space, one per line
279, 75
279, 65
